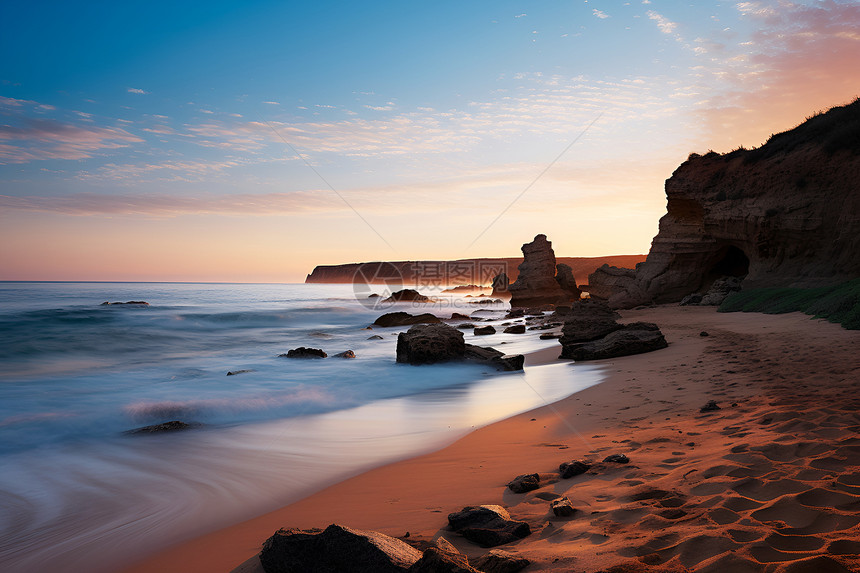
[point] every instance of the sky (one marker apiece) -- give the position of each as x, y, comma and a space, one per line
251, 141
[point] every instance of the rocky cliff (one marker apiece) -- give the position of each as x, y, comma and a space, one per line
459, 272
784, 214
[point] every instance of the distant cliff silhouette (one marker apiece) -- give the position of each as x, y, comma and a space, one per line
460, 272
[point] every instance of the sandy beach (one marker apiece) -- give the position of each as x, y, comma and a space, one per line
769, 482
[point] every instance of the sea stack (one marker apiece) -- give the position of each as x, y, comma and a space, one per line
536, 284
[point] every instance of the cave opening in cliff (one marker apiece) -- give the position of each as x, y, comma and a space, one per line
730, 262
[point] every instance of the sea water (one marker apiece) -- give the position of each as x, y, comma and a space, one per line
78, 493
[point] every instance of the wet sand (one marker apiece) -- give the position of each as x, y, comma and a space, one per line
770, 482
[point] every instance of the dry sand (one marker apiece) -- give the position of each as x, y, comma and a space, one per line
768, 483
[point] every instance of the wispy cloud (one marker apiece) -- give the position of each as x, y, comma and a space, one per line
137, 91
35, 139
666, 26
600, 14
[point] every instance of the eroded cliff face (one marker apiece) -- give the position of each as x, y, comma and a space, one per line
785, 214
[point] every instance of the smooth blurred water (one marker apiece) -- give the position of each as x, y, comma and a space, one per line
77, 494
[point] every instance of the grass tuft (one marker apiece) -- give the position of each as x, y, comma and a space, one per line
839, 303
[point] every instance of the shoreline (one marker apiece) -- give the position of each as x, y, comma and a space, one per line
647, 407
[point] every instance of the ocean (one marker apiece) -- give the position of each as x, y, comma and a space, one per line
78, 493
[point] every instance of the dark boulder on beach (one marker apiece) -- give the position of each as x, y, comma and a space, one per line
303, 352
458, 316
436, 560
616, 459
173, 426
345, 354
335, 549
487, 525
430, 343
407, 295
498, 561
562, 507
631, 339
523, 483
515, 329
568, 470
588, 320
483, 330
405, 319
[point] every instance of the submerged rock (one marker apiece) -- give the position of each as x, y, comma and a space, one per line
336, 549
407, 295
345, 354
173, 426
303, 352
236, 372
487, 525
515, 329
484, 330
129, 303
405, 319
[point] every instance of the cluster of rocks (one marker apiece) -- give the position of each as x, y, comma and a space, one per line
540, 281
716, 294
432, 343
338, 548
591, 331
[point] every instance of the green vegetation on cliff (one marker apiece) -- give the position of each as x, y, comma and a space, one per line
839, 303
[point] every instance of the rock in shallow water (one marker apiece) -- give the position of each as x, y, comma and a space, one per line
336, 549
430, 343
303, 352
405, 319
173, 426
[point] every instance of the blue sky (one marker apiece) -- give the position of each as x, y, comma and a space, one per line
153, 127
